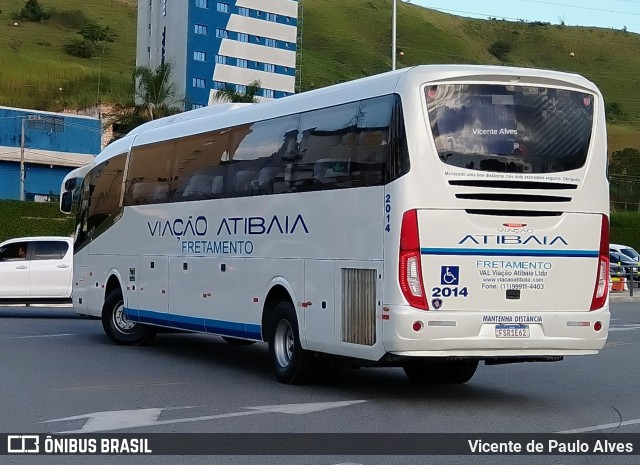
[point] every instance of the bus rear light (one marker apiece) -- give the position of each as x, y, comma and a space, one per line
601, 287
410, 270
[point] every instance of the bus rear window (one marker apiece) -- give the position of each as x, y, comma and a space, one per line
515, 129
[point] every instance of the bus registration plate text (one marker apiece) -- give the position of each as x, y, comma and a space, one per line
512, 331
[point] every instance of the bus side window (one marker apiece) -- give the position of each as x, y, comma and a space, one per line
199, 186
270, 180
329, 133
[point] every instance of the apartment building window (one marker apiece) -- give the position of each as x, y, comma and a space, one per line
243, 11
268, 93
195, 106
218, 85
272, 17
241, 63
221, 59
269, 68
222, 33
199, 56
241, 89
199, 82
270, 42
201, 29
202, 3
242, 37
223, 7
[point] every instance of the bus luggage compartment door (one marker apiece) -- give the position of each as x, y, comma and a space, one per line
487, 262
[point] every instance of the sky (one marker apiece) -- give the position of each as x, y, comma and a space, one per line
600, 13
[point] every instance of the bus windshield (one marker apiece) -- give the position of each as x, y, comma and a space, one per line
507, 128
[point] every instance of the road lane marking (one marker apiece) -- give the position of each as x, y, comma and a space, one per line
617, 343
117, 386
38, 335
625, 327
127, 419
601, 427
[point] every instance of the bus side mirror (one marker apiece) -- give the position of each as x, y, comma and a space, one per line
66, 202
70, 184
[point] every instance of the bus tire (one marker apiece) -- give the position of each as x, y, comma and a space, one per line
234, 341
291, 364
118, 328
442, 373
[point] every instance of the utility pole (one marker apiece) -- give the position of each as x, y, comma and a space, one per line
393, 38
24, 118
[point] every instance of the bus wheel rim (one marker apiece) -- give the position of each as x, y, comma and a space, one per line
121, 322
284, 343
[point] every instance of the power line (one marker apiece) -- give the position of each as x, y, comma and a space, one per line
583, 7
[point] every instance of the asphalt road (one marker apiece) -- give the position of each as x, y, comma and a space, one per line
56, 365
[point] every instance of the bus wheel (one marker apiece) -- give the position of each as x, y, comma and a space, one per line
291, 364
442, 373
234, 341
118, 327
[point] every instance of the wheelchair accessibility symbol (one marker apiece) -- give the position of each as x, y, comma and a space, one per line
449, 275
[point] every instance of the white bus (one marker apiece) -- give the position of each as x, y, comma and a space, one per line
428, 218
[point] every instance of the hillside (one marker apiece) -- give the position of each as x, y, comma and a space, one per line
341, 41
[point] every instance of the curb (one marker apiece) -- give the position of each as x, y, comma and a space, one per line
624, 296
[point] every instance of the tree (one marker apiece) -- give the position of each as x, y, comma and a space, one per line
500, 49
94, 33
229, 94
154, 97
624, 176
33, 11
155, 90
79, 48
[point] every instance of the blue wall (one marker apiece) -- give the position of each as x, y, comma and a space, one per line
39, 180
77, 135
44, 131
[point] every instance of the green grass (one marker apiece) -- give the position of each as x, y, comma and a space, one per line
625, 227
20, 219
35, 72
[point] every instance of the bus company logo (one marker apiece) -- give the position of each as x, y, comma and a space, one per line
258, 225
179, 227
512, 239
231, 226
514, 228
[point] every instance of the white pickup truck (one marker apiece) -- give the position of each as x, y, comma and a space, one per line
36, 269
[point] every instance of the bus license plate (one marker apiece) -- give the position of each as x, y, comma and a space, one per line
512, 331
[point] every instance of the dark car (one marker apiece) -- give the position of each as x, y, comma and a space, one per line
624, 264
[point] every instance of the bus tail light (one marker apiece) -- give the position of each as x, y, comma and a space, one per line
410, 270
602, 278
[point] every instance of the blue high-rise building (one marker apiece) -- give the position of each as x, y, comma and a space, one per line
213, 44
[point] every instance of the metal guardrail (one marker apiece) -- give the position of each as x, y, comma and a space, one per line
629, 280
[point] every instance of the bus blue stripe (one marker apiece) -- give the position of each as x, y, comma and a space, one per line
511, 252
203, 325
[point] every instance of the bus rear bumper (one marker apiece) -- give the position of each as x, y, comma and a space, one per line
417, 333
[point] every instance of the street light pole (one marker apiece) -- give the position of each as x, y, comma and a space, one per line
22, 159
393, 38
